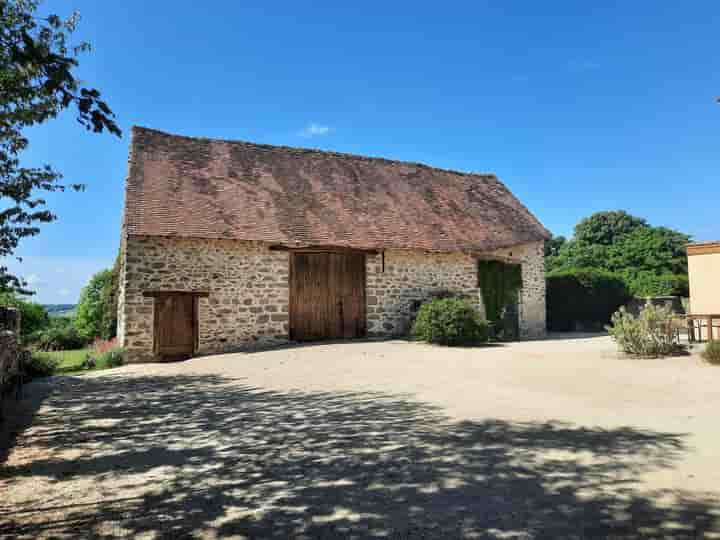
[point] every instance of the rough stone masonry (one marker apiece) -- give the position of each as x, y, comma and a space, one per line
248, 286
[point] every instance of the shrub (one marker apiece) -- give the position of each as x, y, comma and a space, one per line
450, 321
583, 295
60, 334
652, 333
101, 346
39, 365
110, 359
104, 353
712, 352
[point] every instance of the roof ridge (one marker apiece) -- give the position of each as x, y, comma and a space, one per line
305, 150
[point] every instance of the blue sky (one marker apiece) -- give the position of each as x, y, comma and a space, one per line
577, 106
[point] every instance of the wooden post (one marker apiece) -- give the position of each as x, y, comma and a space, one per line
691, 330
709, 323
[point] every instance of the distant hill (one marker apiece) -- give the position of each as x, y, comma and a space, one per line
60, 310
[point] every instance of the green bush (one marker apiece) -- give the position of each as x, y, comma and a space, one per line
59, 335
649, 284
34, 317
652, 333
583, 295
712, 352
39, 365
104, 354
450, 321
109, 359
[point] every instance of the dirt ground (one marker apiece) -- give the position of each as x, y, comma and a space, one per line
559, 438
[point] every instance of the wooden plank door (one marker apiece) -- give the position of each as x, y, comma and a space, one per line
175, 326
327, 296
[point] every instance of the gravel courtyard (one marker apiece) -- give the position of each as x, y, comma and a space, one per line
558, 438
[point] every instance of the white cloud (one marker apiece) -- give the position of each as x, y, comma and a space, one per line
315, 130
64, 292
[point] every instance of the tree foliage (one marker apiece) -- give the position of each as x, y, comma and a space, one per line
33, 317
60, 334
607, 228
109, 301
37, 82
554, 245
92, 307
650, 284
651, 260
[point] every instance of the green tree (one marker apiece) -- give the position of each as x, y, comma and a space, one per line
553, 246
108, 325
607, 228
37, 82
651, 260
574, 254
91, 307
34, 316
653, 249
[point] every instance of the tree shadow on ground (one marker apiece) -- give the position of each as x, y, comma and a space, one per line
205, 456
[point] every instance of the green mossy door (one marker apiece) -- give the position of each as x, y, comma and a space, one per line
500, 283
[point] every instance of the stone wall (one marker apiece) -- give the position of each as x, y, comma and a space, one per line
249, 289
409, 278
9, 359
248, 286
10, 319
531, 303
121, 335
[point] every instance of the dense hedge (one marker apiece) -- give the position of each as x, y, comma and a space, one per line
644, 284
450, 321
583, 295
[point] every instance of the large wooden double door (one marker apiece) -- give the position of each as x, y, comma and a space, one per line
327, 296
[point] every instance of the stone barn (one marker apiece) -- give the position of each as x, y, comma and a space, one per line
228, 244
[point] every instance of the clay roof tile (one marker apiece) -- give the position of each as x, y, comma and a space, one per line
202, 188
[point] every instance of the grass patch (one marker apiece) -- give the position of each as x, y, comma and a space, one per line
74, 362
66, 361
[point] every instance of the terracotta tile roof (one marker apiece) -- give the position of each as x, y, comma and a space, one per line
202, 188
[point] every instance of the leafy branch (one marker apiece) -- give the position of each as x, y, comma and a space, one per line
37, 82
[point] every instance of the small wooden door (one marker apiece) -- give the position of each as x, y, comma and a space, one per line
327, 296
175, 326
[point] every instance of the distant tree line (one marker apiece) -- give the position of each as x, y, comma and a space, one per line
95, 315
